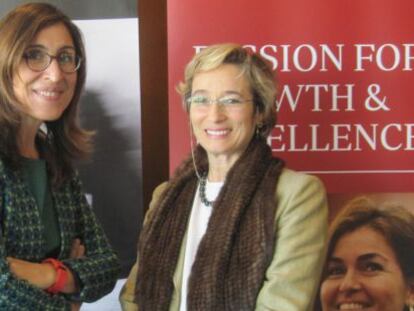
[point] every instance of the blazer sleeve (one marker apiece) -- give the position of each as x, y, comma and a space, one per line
292, 279
97, 271
16, 294
127, 294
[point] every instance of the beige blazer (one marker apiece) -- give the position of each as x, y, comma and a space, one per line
293, 276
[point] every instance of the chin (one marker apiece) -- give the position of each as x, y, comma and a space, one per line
49, 117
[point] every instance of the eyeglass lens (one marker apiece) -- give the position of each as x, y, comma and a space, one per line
39, 60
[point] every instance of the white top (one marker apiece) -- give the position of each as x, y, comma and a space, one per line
200, 215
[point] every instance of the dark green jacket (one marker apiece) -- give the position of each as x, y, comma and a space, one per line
21, 236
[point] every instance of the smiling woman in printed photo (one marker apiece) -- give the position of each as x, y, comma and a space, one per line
370, 259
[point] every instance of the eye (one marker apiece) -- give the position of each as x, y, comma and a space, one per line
229, 100
371, 266
199, 100
334, 270
66, 57
34, 55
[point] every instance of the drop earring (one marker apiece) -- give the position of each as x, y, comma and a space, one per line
259, 127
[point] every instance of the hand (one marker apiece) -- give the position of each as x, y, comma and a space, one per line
38, 274
77, 250
43, 275
75, 306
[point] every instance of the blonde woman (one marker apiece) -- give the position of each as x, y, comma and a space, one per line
234, 229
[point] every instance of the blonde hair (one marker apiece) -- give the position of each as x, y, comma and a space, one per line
257, 71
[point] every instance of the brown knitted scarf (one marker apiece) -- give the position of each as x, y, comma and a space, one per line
237, 248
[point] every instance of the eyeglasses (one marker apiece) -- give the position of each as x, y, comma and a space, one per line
228, 101
38, 60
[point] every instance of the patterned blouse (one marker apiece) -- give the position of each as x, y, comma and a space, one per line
21, 236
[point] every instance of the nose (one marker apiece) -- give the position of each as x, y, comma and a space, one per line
216, 111
350, 282
53, 71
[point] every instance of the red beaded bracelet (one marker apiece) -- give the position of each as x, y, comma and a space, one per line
61, 275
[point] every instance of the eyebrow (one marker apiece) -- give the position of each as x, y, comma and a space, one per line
199, 91
363, 257
39, 46
371, 256
230, 92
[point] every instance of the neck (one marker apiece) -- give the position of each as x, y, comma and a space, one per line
219, 166
217, 173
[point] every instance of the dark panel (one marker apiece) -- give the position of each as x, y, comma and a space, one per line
154, 94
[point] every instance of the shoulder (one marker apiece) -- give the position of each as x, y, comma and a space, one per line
157, 194
156, 197
159, 190
291, 181
296, 190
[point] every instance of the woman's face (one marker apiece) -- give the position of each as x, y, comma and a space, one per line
223, 129
363, 274
45, 95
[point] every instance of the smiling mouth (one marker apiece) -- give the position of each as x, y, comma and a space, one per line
352, 306
48, 94
217, 132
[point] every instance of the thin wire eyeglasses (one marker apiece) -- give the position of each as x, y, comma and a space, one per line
228, 101
39, 60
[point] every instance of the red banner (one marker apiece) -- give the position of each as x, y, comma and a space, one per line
345, 75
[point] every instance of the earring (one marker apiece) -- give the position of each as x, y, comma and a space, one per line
259, 127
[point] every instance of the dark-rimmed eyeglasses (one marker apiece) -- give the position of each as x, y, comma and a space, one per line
39, 60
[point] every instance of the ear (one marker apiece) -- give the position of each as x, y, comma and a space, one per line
258, 118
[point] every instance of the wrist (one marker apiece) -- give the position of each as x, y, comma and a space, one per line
61, 273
